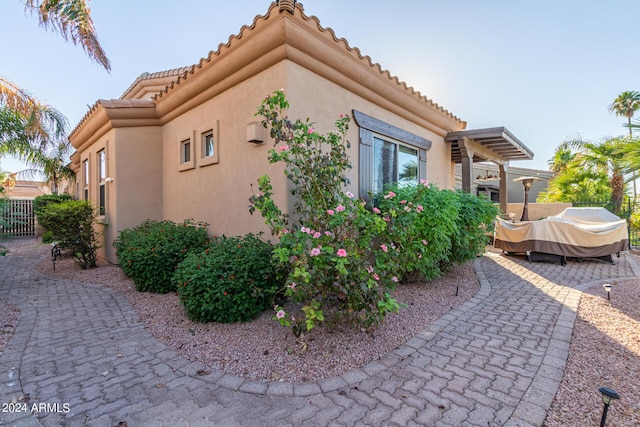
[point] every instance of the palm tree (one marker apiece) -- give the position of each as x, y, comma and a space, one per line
45, 156
72, 19
562, 157
625, 105
606, 157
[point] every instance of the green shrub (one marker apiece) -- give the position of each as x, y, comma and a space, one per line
150, 253
421, 219
429, 229
40, 203
231, 281
71, 225
475, 223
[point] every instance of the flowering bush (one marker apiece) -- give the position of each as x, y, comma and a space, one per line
150, 253
420, 222
233, 280
326, 246
429, 229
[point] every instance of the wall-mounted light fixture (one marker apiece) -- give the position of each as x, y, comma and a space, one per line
255, 133
108, 179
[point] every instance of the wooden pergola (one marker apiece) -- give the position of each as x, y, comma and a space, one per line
496, 145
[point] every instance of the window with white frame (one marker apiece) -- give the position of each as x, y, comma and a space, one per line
102, 175
85, 168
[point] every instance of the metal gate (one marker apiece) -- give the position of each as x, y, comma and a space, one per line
17, 218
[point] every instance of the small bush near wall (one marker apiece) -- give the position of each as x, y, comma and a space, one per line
233, 280
421, 220
474, 225
429, 229
71, 225
150, 253
40, 203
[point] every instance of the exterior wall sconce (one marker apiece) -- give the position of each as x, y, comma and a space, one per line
607, 288
527, 182
108, 179
608, 395
255, 133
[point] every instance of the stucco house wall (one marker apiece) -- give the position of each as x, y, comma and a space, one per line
322, 77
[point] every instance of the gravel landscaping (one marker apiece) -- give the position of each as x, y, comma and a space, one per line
264, 350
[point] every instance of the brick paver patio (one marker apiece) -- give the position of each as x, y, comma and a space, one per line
496, 360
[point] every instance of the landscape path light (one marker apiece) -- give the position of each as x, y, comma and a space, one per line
608, 395
607, 288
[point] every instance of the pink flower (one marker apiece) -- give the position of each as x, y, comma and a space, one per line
341, 253
349, 194
395, 279
341, 115
310, 232
390, 195
315, 252
420, 256
386, 218
283, 148
340, 208
402, 202
384, 248
424, 182
328, 233
375, 276
304, 230
317, 234
424, 242
376, 210
407, 209
293, 285
280, 314
330, 212
369, 269
419, 208
311, 130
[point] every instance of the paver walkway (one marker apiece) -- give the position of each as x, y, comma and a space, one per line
495, 360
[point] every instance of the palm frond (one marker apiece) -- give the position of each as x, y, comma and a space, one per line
72, 19
15, 98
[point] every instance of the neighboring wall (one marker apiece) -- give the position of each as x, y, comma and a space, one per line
537, 210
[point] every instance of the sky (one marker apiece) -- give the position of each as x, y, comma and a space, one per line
547, 70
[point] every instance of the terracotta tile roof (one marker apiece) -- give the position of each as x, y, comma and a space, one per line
150, 76
183, 73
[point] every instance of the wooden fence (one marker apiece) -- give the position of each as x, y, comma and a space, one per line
17, 218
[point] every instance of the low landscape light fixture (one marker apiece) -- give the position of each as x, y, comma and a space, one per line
607, 288
608, 395
527, 182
